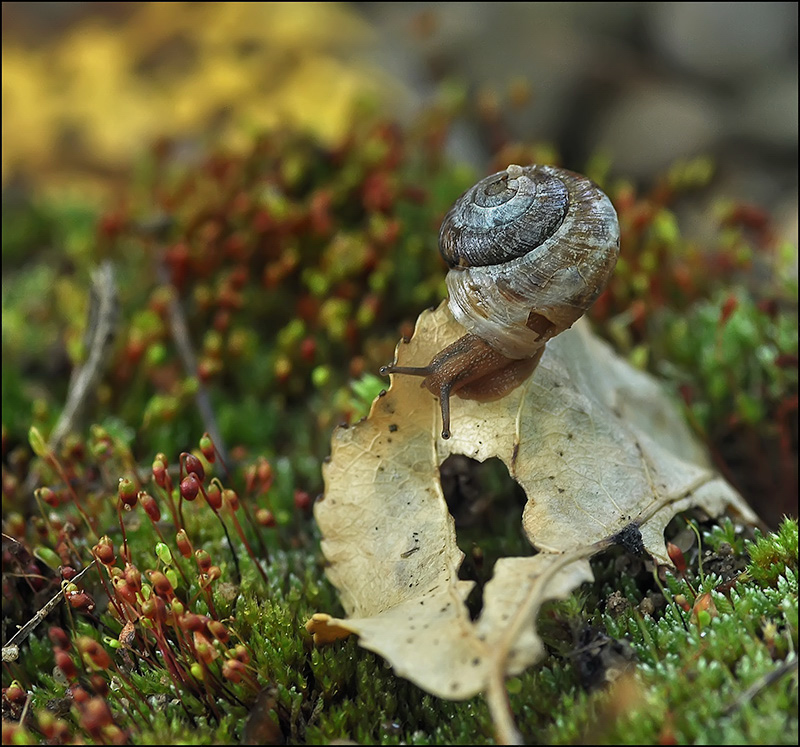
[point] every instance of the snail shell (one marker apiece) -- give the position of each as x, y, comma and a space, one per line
530, 249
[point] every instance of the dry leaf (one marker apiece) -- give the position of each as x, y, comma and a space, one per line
324, 630
602, 454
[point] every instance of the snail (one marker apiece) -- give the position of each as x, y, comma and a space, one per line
529, 250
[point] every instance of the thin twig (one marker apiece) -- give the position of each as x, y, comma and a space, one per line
101, 328
762, 684
180, 333
11, 648
25, 710
98, 337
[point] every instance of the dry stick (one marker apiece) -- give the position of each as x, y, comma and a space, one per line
25, 709
99, 337
180, 333
496, 694
11, 648
762, 684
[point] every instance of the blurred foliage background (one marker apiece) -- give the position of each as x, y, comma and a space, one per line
87, 85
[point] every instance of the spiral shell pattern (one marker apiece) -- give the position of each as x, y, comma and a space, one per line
529, 249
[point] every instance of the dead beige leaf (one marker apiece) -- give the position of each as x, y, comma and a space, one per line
601, 452
324, 630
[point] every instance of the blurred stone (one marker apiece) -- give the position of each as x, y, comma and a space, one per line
767, 111
647, 82
649, 128
568, 55
787, 220
724, 41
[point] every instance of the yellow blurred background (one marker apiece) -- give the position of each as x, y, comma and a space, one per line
82, 97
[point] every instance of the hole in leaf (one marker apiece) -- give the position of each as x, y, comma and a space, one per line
486, 504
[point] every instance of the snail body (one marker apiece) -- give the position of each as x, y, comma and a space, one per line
529, 250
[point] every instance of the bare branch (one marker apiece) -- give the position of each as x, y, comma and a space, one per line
180, 333
11, 648
763, 683
101, 328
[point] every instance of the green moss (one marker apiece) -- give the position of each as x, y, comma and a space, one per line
772, 556
693, 681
